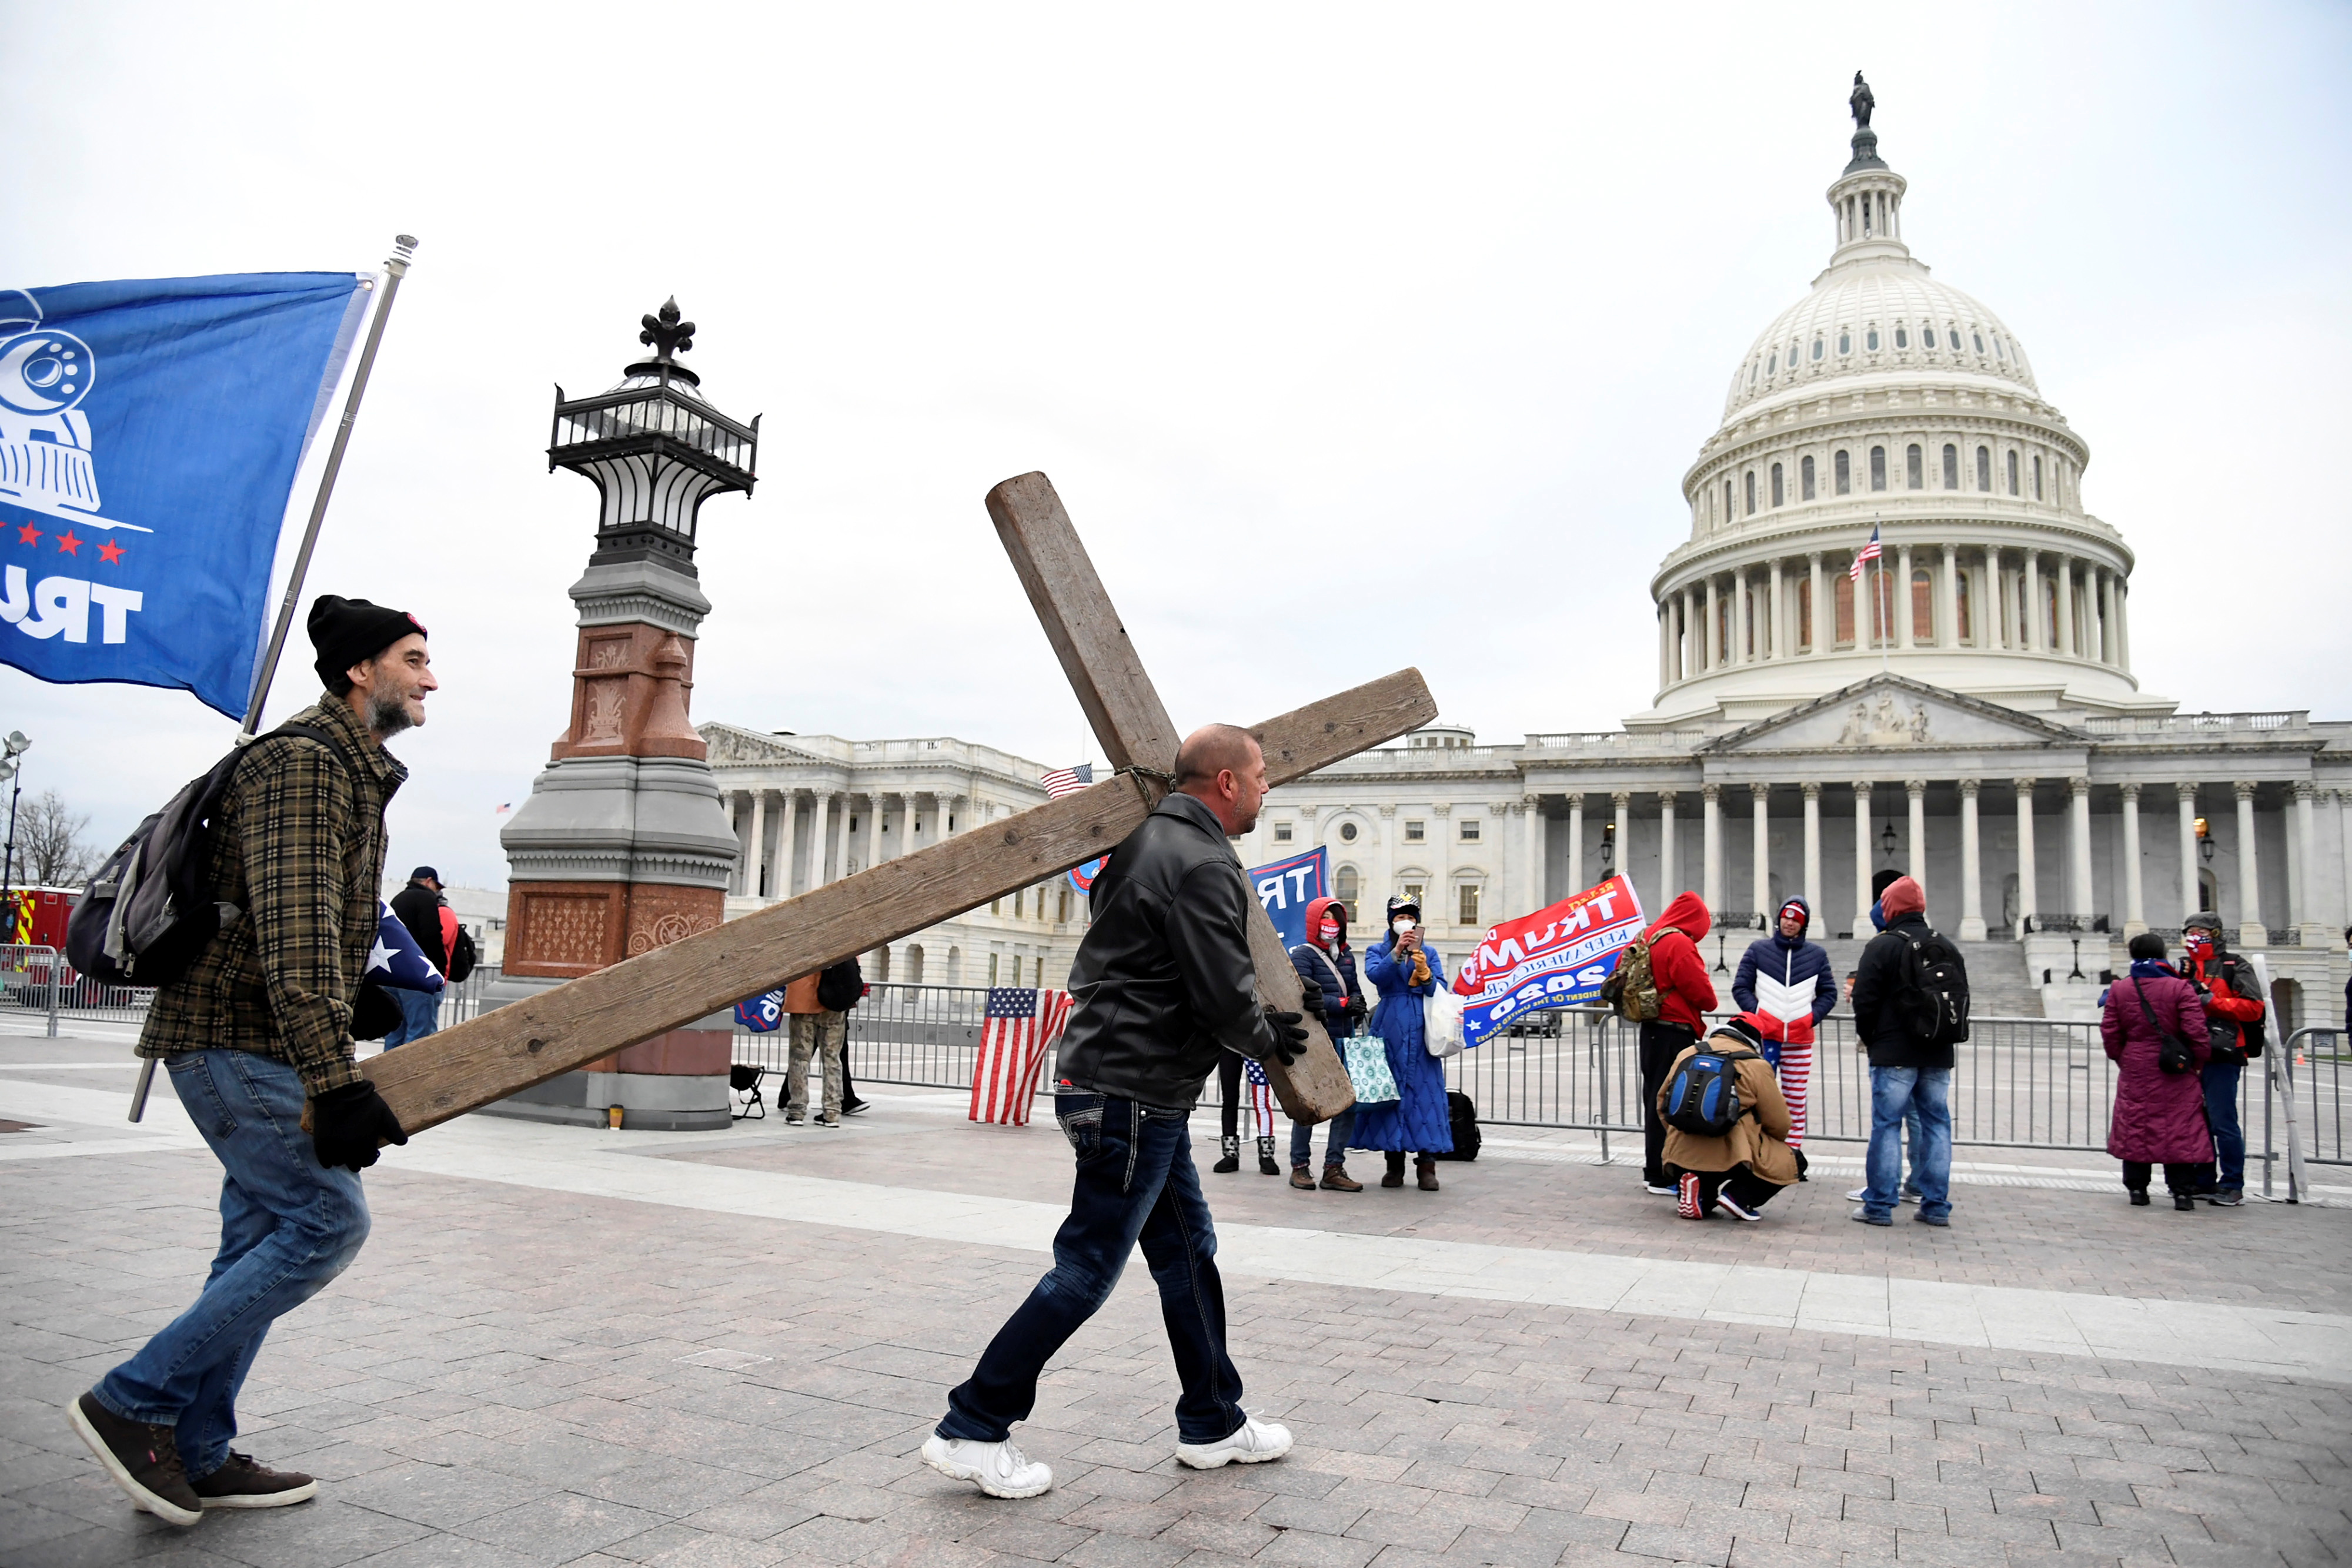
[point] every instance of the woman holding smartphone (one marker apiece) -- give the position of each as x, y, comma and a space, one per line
1416, 1121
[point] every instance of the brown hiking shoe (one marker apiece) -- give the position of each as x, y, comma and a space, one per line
245, 1483
1427, 1173
1300, 1179
1336, 1179
143, 1458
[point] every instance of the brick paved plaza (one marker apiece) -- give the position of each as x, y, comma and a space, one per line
571, 1346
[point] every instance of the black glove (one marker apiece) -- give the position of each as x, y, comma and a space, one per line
1289, 1035
1356, 1013
348, 1125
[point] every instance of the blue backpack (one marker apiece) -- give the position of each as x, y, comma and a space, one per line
1703, 1096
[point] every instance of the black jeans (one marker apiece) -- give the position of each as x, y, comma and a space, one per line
1135, 1183
2177, 1178
1229, 1080
1660, 1043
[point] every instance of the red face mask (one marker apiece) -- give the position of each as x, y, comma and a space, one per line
2199, 945
1329, 931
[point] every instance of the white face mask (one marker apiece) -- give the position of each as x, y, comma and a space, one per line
1400, 925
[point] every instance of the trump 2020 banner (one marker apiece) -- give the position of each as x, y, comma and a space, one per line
1556, 957
150, 432
1288, 886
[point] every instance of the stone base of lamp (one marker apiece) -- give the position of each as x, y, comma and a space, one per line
674, 1083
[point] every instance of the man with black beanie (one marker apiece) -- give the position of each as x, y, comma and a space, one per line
256, 1036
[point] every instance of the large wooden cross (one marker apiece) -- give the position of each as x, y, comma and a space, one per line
488, 1058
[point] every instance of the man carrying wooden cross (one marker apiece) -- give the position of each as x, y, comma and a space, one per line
1165, 982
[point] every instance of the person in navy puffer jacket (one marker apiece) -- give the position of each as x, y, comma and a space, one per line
1785, 986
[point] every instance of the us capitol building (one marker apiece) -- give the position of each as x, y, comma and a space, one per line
1965, 711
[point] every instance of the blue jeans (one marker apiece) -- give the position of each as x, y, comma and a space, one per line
288, 1225
2229, 1138
420, 1015
1135, 1183
1335, 1142
1893, 1092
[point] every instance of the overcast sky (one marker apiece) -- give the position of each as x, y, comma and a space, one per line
1353, 336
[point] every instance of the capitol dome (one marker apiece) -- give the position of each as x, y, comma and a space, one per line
1887, 399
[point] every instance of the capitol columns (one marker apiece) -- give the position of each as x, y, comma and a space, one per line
1947, 600
820, 834
1782, 642
1812, 791
1669, 868
2135, 910
1972, 920
1904, 632
1534, 826
1824, 632
2026, 906
2190, 900
1862, 899
2306, 853
1714, 627
2078, 844
791, 804
1622, 799
1711, 846
755, 844
1915, 830
1761, 847
2251, 933
2066, 604
2033, 606
1575, 839
1743, 635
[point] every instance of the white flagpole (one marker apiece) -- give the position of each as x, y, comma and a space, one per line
396, 267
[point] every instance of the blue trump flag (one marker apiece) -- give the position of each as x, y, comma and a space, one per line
150, 432
1288, 886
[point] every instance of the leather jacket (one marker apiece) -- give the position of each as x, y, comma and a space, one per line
1163, 979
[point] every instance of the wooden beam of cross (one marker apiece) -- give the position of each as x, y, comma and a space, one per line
488, 1058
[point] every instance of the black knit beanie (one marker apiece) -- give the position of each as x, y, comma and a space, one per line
347, 632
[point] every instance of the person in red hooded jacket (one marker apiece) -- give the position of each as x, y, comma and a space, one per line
1686, 995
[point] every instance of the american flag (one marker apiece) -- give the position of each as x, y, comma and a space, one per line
1067, 781
1259, 1095
1870, 552
1021, 1026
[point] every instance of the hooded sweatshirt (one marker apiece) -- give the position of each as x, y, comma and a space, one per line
1315, 976
1785, 982
1684, 993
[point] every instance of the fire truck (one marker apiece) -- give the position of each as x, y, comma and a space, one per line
39, 921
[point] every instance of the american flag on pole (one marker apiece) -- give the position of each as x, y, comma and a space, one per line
1020, 1026
1067, 781
1869, 552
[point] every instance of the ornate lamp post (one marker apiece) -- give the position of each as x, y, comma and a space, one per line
625, 844
13, 747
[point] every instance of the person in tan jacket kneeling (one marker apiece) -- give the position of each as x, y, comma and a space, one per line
1743, 1168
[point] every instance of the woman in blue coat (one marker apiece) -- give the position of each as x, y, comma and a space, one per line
1416, 1121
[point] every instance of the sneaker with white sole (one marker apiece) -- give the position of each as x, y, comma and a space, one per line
1000, 1469
1861, 1194
1655, 1191
1731, 1206
1251, 1443
143, 1458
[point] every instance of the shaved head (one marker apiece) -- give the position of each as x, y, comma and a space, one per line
1210, 750
1220, 766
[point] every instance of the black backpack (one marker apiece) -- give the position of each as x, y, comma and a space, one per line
1703, 1096
146, 915
462, 955
841, 986
1462, 1113
2239, 976
1932, 1000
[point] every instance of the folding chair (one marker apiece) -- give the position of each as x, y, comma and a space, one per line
744, 1079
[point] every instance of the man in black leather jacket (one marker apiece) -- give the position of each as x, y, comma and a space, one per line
1164, 983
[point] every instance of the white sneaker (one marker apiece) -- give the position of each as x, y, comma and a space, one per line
1253, 1443
1000, 1469
1857, 1195
1655, 1191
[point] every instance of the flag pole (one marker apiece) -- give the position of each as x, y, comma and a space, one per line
397, 266
1885, 613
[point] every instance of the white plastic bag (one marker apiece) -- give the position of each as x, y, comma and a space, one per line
1440, 1023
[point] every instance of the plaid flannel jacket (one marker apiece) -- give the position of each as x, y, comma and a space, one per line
299, 846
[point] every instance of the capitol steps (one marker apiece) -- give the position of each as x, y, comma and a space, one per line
1999, 985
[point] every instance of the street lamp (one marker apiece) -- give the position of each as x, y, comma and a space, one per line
1886, 841
11, 748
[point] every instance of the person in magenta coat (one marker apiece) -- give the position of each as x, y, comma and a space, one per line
2159, 1117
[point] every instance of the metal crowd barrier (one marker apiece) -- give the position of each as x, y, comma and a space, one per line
2041, 1084
925, 1036
37, 980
